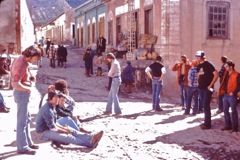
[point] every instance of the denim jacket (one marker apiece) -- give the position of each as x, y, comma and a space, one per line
46, 118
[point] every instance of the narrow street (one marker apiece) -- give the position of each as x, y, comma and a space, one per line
138, 134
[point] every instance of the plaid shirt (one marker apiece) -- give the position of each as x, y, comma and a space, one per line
192, 77
52, 52
221, 73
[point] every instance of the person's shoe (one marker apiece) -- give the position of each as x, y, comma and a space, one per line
96, 138
226, 128
219, 111
56, 144
4, 110
107, 113
28, 151
34, 146
205, 127
234, 130
117, 114
159, 110
185, 113
202, 124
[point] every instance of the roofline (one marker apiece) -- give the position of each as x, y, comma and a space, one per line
85, 3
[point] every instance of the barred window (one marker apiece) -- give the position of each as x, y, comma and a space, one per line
218, 19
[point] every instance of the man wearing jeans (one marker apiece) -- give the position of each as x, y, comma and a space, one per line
207, 76
51, 130
192, 89
21, 82
158, 70
115, 73
229, 88
182, 69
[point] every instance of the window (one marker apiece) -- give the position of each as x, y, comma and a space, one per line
218, 17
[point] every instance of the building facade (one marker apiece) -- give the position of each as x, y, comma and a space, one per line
182, 27
17, 30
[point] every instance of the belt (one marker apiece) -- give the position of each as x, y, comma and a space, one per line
156, 77
116, 77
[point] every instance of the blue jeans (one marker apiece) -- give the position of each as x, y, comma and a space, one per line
2, 103
156, 90
205, 99
183, 94
220, 102
230, 101
23, 120
76, 137
192, 92
113, 96
68, 121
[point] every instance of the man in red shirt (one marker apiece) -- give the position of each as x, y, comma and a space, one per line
21, 83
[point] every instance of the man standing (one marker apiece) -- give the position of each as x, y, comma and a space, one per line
39, 62
41, 41
158, 70
101, 46
48, 46
115, 73
207, 76
182, 69
229, 88
52, 53
221, 73
22, 82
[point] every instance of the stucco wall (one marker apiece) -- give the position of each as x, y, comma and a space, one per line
27, 28
7, 25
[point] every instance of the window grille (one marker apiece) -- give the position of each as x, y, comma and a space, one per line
218, 19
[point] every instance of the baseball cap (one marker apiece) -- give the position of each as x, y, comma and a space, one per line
200, 54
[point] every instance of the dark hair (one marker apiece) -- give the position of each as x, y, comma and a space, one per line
224, 59
230, 64
159, 58
31, 51
51, 95
61, 85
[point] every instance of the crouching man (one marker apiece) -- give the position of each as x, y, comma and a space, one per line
51, 130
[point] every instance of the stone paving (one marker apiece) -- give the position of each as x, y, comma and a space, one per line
138, 134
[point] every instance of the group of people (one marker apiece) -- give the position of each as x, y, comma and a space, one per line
54, 54
60, 127
90, 54
56, 120
196, 81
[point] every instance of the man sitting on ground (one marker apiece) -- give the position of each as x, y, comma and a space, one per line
51, 130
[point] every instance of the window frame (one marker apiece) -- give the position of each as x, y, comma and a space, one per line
215, 11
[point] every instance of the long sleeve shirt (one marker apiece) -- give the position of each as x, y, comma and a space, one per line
115, 69
46, 118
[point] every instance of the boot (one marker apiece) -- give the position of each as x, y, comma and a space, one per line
129, 88
88, 73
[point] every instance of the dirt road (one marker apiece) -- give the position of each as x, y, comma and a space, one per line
139, 134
